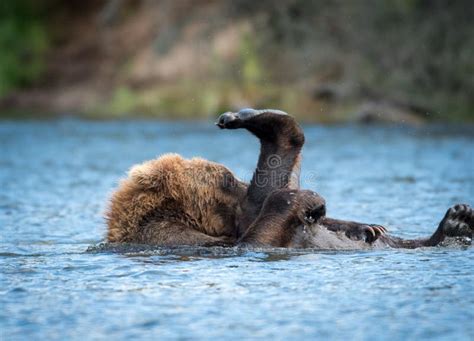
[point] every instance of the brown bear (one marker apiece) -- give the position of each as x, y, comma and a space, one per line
172, 201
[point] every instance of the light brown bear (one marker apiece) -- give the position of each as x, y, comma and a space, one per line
173, 201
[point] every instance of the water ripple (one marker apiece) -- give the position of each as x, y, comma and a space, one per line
57, 281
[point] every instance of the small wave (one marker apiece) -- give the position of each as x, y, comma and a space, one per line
260, 253
14, 254
144, 249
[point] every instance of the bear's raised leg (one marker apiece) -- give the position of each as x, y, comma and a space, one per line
457, 222
278, 166
281, 140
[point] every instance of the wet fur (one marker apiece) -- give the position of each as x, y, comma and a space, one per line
173, 201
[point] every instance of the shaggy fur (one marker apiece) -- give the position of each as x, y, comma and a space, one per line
172, 201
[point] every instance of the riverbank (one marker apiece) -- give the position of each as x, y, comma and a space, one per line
324, 63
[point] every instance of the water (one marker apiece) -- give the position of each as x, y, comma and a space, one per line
56, 176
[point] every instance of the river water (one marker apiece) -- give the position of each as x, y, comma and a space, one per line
57, 282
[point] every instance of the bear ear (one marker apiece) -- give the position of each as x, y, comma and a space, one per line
157, 173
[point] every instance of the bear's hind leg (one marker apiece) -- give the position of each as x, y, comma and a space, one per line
278, 165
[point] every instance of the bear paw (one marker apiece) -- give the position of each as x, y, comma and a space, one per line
231, 120
458, 221
367, 233
310, 207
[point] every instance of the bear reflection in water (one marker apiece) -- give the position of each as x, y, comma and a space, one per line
172, 201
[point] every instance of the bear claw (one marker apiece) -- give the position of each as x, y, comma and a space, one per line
369, 233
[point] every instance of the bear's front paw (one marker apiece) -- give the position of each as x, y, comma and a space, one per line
367, 233
315, 212
311, 207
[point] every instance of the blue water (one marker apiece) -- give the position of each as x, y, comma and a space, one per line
56, 176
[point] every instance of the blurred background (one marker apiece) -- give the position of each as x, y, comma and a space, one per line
323, 61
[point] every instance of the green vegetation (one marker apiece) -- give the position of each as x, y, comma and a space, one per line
414, 51
23, 42
250, 64
320, 60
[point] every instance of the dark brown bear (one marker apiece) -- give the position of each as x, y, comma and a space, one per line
172, 201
